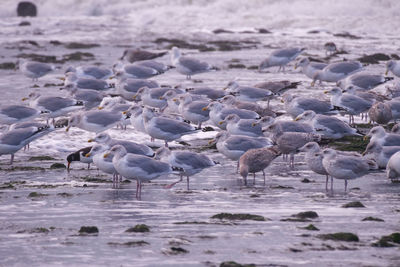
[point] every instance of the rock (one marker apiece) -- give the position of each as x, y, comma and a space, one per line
175, 251
310, 227
353, 204
139, 228
235, 264
58, 166
341, 236
7, 66
24, 23
36, 194
40, 158
306, 215
369, 218
238, 216
26, 9
388, 240
129, 243
88, 230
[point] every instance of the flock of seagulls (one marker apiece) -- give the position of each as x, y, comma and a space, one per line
249, 131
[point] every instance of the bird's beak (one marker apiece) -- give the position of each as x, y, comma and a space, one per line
134, 97
295, 66
312, 83
282, 101
296, 119
225, 88
88, 155
365, 138
24, 99
204, 109
106, 155
61, 78
100, 108
124, 112
111, 77
91, 140
326, 92
387, 71
364, 153
253, 124
221, 122
161, 98
211, 141
174, 99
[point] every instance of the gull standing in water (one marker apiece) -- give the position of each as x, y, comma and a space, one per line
14, 140
256, 160
105, 164
137, 167
163, 128
187, 65
344, 167
190, 162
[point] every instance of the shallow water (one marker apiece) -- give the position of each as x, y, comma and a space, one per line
177, 217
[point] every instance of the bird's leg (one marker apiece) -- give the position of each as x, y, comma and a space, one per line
137, 189
237, 167
332, 185
254, 178
151, 139
12, 159
268, 102
345, 185
263, 176
187, 182
88, 166
279, 69
199, 125
174, 183
166, 143
291, 164
113, 181
245, 180
326, 183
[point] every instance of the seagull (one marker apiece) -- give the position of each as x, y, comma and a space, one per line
193, 110
14, 140
330, 48
382, 138
294, 106
152, 97
281, 58
95, 120
290, 142
11, 114
137, 167
127, 88
72, 79
164, 128
344, 167
234, 146
381, 154
337, 71
131, 147
190, 162
53, 106
211, 93
351, 104
309, 68
255, 160
327, 126
218, 112
91, 72
393, 167
188, 66
34, 70
248, 127
133, 71
394, 67
248, 93
231, 101
105, 164
363, 81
